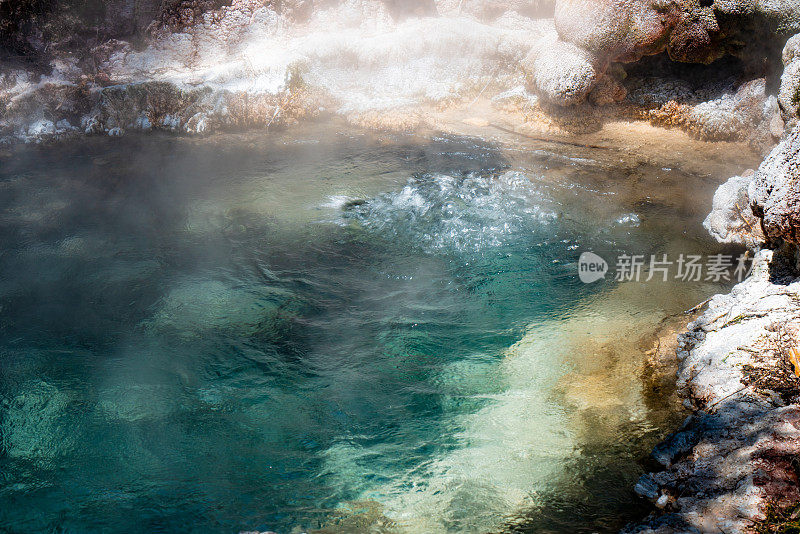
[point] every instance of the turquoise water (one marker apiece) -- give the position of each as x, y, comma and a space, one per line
325, 330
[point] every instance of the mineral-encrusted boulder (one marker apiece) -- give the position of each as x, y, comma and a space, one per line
691, 31
775, 191
748, 114
734, 456
607, 90
731, 220
789, 95
622, 30
562, 72
785, 14
791, 52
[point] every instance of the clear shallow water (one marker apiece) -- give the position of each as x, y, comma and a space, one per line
329, 331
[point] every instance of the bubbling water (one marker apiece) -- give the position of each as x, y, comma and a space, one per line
457, 214
515, 443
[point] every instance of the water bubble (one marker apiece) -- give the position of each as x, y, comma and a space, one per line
448, 213
629, 219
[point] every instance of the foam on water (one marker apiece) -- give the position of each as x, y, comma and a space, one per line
522, 428
515, 445
468, 213
336, 202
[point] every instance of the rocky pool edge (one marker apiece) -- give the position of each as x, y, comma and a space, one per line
734, 460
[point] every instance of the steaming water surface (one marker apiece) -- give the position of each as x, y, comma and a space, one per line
327, 331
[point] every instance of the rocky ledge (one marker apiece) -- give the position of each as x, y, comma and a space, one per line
736, 458
736, 455
196, 66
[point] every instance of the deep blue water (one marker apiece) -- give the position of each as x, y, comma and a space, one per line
252, 333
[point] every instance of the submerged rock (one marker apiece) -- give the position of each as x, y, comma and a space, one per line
193, 307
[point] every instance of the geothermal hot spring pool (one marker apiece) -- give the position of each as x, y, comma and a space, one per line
330, 331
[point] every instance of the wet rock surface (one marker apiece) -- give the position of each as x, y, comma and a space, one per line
733, 462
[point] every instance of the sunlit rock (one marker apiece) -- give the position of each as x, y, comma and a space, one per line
561, 72
775, 191
622, 31
692, 32
733, 457
731, 220
789, 95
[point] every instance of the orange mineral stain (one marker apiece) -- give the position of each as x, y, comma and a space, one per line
794, 359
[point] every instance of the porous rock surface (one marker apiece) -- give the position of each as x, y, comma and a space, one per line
789, 95
775, 191
731, 220
736, 456
696, 31
563, 72
359, 58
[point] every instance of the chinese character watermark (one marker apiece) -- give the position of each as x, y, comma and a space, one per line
716, 268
